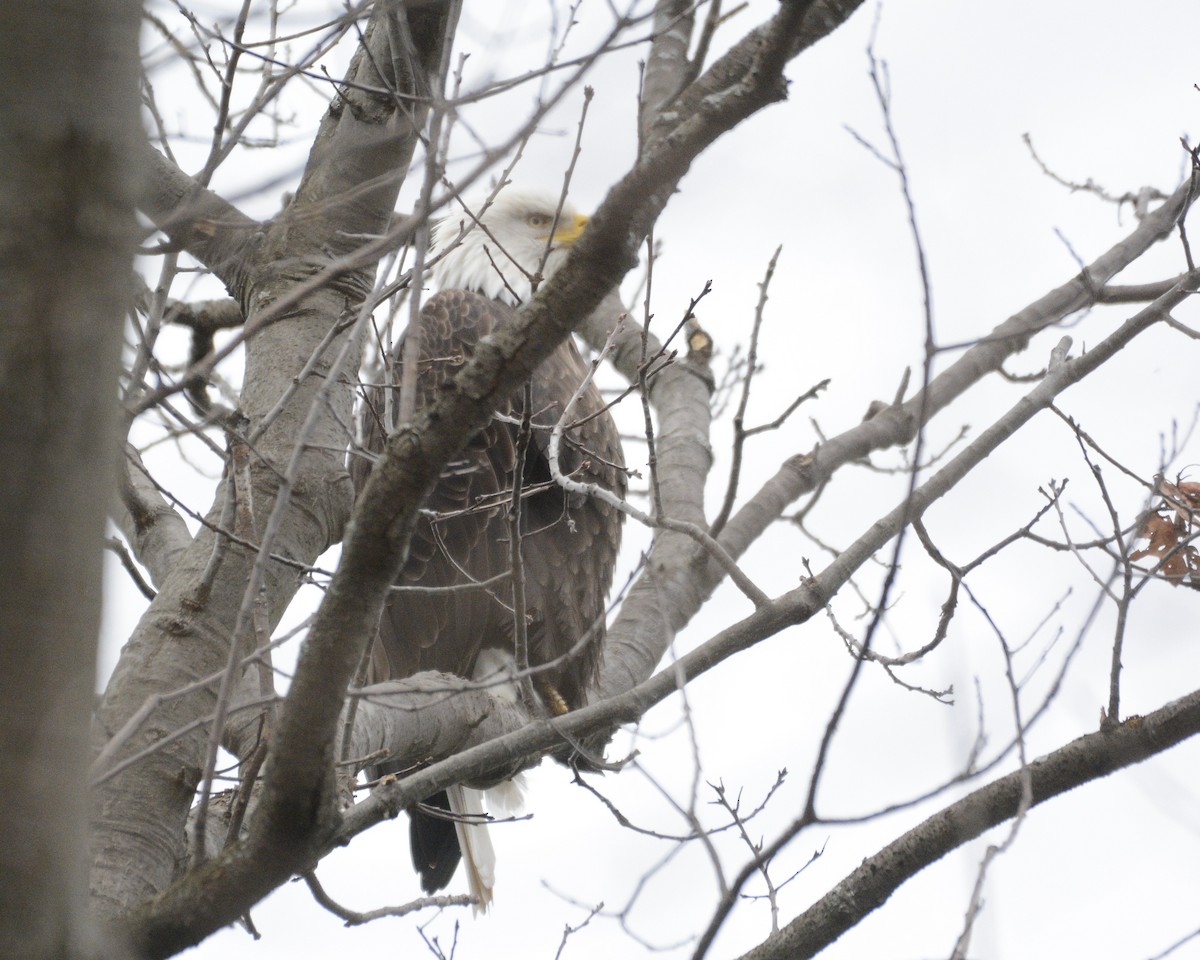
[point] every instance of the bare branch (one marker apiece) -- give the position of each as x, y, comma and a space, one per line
869, 886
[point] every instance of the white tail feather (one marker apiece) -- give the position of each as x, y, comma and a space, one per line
479, 856
507, 799
468, 806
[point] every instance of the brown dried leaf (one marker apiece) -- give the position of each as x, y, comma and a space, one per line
1165, 536
1183, 498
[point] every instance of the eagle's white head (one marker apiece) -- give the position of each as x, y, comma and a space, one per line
499, 261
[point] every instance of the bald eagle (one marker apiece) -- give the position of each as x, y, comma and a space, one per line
568, 541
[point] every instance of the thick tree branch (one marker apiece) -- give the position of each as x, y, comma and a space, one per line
185, 634
647, 621
667, 62
431, 715
1081, 761
199, 221
367, 136
761, 52
154, 529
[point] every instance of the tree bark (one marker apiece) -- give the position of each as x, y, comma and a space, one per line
295, 289
68, 132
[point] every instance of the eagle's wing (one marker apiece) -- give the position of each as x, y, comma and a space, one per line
570, 544
457, 542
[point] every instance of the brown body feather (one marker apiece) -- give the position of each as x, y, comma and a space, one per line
569, 541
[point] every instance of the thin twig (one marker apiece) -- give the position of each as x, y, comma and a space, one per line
516, 562
354, 918
739, 417
117, 546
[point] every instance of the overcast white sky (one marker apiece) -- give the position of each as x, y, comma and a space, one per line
1105, 90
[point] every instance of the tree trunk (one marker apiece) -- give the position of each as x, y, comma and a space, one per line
68, 125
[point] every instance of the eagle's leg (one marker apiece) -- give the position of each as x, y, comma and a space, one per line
553, 699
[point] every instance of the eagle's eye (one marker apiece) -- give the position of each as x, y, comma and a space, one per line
539, 220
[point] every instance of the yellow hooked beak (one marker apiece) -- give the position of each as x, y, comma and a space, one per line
567, 234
